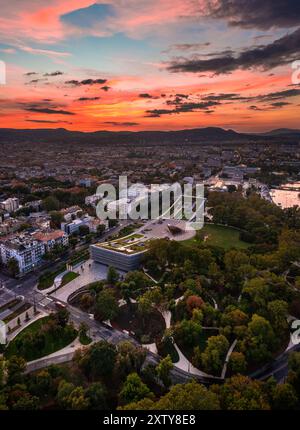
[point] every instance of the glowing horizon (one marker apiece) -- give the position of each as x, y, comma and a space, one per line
159, 65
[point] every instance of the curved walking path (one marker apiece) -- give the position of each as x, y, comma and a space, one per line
88, 272
229, 352
57, 357
11, 336
185, 364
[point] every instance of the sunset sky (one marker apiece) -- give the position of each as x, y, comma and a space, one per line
150, 64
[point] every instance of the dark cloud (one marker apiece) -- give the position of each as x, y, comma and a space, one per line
181, 108
278, 95
77, 83
36, 81
156, 113
182, 96
261, 97
224, 97
105, 88
30, 73
262, 14
57, 73
83, 99
147, 96
187, 47
122, 124
48, 111
254, 107
280, 104
281, 51
45, 121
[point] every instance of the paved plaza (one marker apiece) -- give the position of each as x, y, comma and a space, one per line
90, 271
158, 229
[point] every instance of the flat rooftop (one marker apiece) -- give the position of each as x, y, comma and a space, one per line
131, 244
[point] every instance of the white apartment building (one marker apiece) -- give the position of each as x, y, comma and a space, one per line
10, 205
51, 238
93, 200
26, 250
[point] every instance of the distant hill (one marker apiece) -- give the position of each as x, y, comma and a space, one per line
282, 132
196, 135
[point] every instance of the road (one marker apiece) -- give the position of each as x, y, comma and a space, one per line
278, 368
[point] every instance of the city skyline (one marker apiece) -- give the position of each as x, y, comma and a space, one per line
131, 65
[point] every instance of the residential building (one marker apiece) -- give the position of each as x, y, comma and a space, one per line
51, 238
10, 205
25, 249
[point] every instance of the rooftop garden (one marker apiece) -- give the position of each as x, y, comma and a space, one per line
127, 245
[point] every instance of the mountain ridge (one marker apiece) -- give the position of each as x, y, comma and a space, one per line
193, 135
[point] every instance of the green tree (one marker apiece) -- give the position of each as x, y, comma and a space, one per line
62, 317
15, 369
96, 394
144, 307
26, 402
13, 267
71, 397
83, 328
190, 396
129, 359
42, 383
138, 282
294, 371
77, 400
56, 219
112, 276
260, 340
214, 354
242, 393
188, 332
99, 361
237, 362
83, 230
277, 313
284, 397
134, 389
106, 307
163, 370
51, 204
63, 392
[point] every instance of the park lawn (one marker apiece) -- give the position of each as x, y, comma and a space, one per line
52, 343
68, 277
221, 236
47, 279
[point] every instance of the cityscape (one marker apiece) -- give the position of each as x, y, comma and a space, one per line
150, 311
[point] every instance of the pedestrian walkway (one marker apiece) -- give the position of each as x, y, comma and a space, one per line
12, 335
89, 272
186, 365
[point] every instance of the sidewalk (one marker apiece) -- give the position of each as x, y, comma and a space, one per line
12, 335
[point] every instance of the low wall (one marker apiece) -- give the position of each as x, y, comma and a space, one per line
22, 318
47, 361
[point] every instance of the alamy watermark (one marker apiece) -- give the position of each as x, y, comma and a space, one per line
295, 336
154, 202
296, 73
2, 333
2, 73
